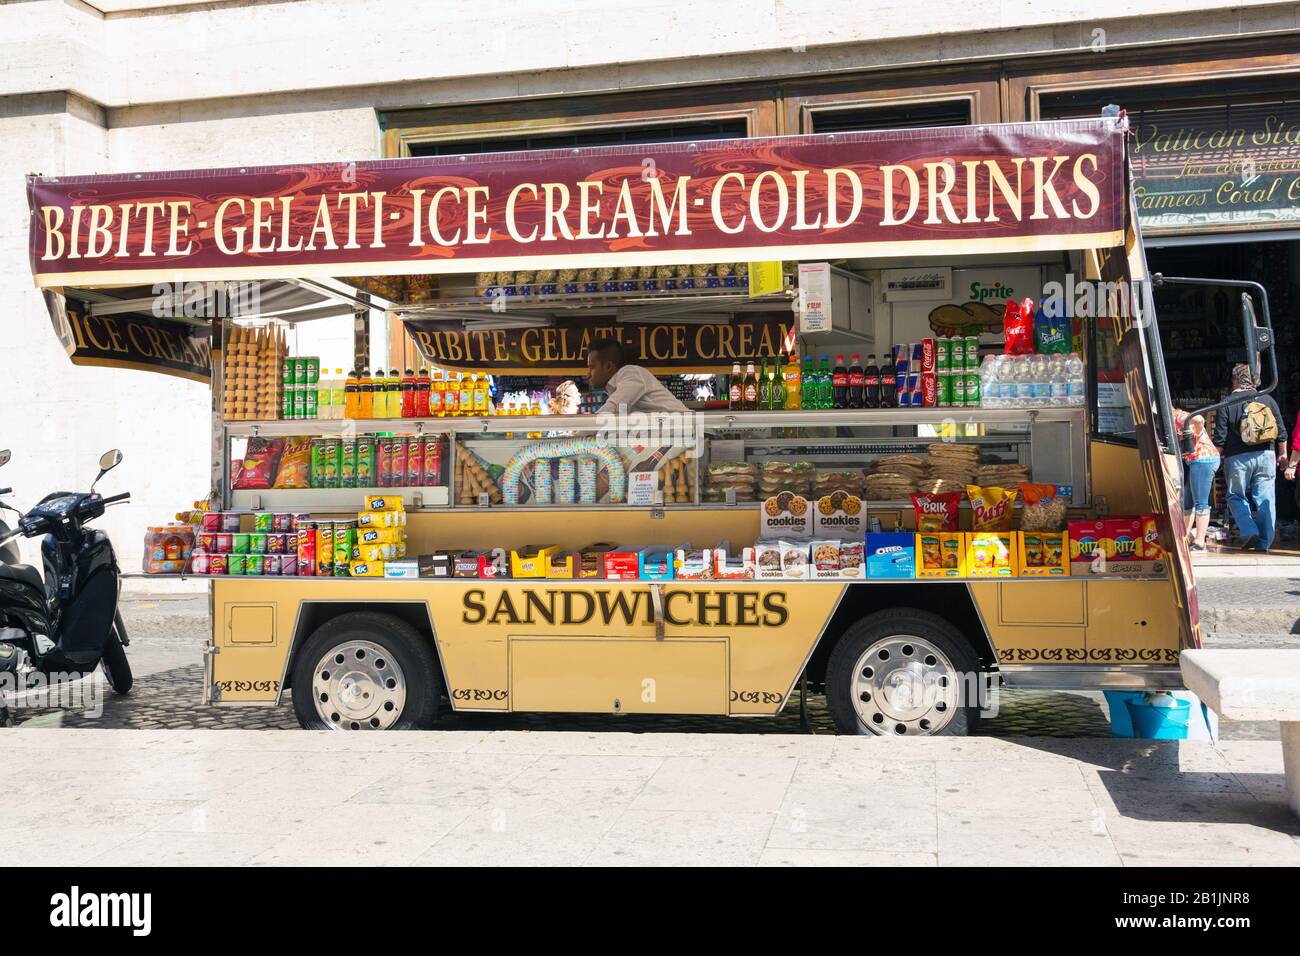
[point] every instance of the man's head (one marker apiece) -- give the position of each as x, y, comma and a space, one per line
1241, 377
604, 358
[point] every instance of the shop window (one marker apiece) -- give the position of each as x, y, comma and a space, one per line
730, 128
898, 116
1114, 415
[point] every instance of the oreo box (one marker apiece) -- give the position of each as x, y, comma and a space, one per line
891, 554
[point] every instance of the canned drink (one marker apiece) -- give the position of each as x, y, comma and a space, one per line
286, 402
257, 542
255, 564
958, 389
914, 398
288, 374
365, 470
929, 390
972, 352
263, 521
945, 386
309, 401
239, 543
299, 398
927, 357
311, 370
299, 370
942, 354
973, 389
348, 463
236, 563
325, 549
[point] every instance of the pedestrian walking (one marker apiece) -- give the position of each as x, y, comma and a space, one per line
1253, 440
1201, 464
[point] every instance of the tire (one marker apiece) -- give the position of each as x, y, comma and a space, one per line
366, 671
117, 669
868, 694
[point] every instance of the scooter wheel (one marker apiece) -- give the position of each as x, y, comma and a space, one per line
117, 670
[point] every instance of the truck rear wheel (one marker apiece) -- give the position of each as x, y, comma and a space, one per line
903, 672
366, 671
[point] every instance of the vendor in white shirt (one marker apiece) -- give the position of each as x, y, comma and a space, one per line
629, 385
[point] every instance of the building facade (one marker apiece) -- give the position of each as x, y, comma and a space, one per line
139, 85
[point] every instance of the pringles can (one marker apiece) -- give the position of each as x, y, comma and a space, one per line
325, 549
306, 548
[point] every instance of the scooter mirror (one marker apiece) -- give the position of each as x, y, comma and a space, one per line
109, 460
4, 457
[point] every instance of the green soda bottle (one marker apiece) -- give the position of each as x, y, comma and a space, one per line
825, 392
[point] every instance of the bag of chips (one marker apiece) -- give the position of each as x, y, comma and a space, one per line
936, 512
1018, 326
258, 467
1044, 507
295, 464
991, 507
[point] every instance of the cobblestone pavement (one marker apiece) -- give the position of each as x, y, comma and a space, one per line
170, 699
167, 637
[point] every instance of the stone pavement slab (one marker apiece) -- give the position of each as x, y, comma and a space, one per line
149, 797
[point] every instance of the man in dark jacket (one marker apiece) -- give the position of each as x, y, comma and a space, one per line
1251, 470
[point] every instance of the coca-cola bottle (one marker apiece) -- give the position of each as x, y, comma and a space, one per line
888, 382
871, 384
855, 382
839, 384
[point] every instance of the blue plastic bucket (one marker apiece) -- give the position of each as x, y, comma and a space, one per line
1159, 723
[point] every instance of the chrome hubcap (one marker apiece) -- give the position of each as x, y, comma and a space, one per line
904, 685
358, 686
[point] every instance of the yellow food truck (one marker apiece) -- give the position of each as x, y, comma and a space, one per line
976, 513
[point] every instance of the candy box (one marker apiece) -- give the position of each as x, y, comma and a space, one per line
532, 560
1043, 554
622, 564
561, 564
940, 554
891, 554
694, 564
733, 567
590, 562
406, 569
437, 565
655, 564
991, 554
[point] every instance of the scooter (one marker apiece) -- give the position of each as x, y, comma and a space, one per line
67, 623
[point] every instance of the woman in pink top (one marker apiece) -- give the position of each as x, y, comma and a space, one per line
1289, 471
1202, 463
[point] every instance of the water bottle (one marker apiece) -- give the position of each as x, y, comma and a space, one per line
1060, 387
1042, 381
1076, 391
1015, 388
988, 384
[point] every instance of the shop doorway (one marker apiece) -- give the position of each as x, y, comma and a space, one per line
1200, 331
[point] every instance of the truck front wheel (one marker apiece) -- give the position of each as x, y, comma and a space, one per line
366, 671
903, 672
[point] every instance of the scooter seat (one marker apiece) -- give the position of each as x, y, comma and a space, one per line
24, 573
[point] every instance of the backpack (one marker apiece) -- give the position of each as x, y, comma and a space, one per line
1257, 426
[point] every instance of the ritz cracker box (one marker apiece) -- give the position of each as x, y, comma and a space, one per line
1124, 545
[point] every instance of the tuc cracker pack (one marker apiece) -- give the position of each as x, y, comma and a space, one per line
940, 554
991, 554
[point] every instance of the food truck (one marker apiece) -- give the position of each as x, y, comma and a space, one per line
972, 515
